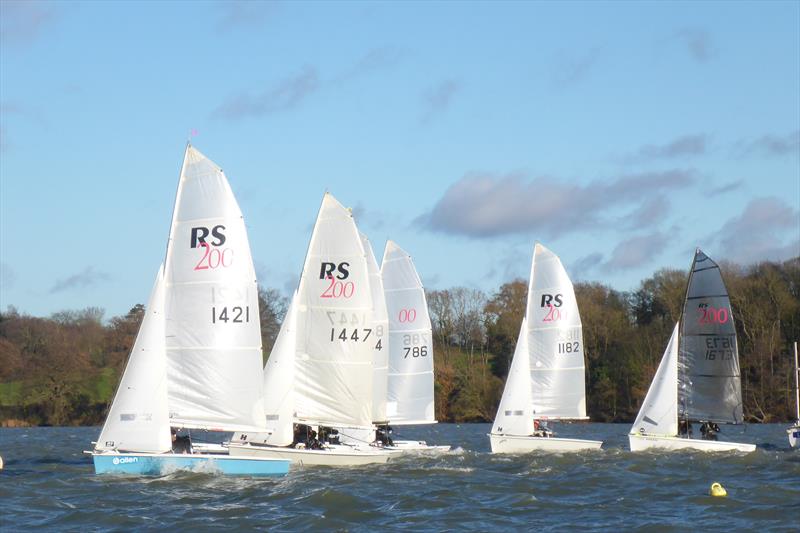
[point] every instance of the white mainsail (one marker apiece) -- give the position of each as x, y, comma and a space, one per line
138, 419
410, 395
335, 330
380, 359
515, 412
659, 412
211, 304
555, 340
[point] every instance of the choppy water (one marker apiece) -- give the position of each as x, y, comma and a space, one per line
49, 484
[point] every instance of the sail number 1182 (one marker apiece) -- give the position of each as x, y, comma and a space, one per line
569, 347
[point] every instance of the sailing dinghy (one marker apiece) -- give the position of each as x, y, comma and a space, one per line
794, 431
198, 349
698, 379
323, 356
546, 378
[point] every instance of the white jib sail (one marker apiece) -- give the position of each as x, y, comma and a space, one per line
213, 331
138, 420
279, 382
380, 359
515, 413
659, 412
335, 330
410, 388
555, 340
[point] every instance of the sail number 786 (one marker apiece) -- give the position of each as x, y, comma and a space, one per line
415, 345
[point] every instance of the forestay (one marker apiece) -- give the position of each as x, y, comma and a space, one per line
138, 420
410, 397
380, 359
555, 340
336, 334
659, 412
708, 365
212, 321
515, 414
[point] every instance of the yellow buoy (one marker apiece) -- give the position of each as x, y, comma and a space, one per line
718, 490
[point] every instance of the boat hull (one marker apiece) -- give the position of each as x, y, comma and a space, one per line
640, 443
416, 446
332, 456
794, 436
145, 464
525, 444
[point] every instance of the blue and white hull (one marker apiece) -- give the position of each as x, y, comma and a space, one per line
148, 464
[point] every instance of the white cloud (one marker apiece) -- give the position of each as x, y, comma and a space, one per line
286, 94
485, 205
767, 229
437, 99
86, 278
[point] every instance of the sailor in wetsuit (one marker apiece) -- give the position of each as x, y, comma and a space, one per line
709, 430
540, 429
181, 444
383, 435
306, 436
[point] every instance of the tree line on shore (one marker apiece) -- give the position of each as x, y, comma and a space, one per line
64, 369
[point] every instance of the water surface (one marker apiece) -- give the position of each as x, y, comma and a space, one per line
48, 483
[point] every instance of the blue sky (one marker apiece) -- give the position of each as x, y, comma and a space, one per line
621, 135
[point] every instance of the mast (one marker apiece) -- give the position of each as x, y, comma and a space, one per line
796, 384
170, 237
683, 409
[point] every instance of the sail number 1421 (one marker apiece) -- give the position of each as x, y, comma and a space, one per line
237, 315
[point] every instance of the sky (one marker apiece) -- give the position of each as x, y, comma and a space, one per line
621, 135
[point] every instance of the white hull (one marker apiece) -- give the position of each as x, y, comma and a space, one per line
640, 443
329, 456
416, 446
524, 444
794, 436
